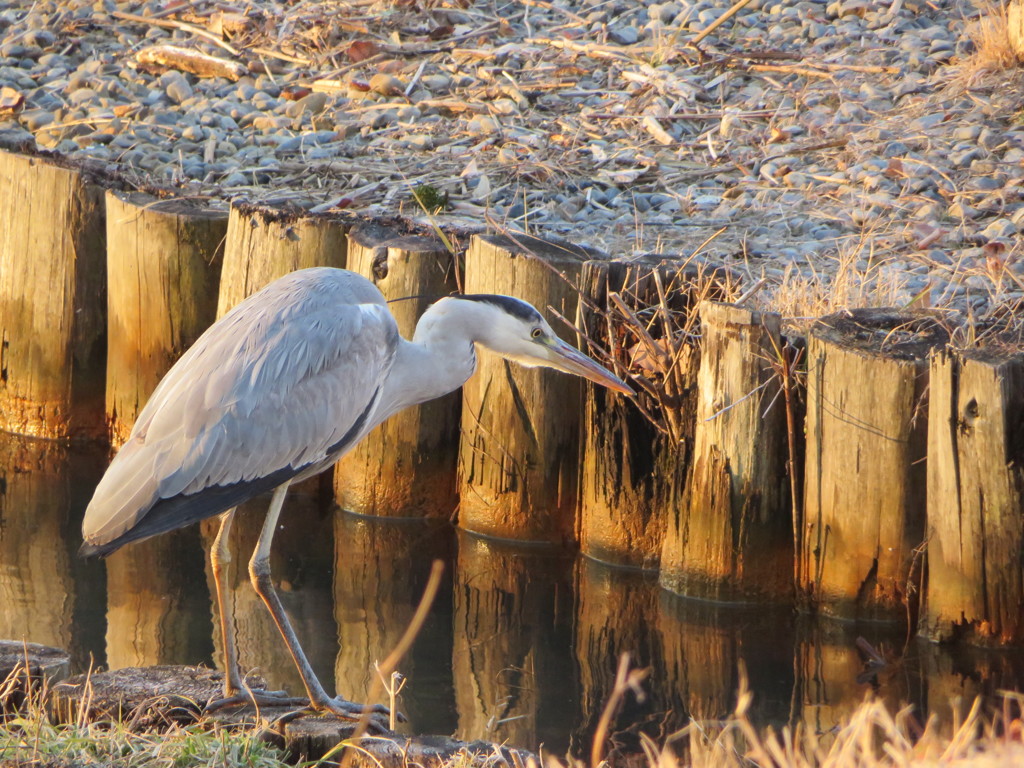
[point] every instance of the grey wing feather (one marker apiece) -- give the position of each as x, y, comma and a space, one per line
273, 385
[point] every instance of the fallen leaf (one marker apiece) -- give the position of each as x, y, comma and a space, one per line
361, 50
296, 92
386, 85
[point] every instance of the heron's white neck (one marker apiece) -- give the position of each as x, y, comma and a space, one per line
441, 356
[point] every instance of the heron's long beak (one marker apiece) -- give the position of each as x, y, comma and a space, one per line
567, 358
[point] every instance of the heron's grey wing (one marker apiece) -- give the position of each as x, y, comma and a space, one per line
274, 388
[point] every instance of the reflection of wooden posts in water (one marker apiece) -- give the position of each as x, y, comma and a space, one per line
704, 645
864, 486
731, 537
644, 312
381, 568
975, 485
833, 677
163, 268
263, 245
407, 466
52, 288
519, 456
617, 612
37, 588
158, 606
301, 564
507, 605
954, 676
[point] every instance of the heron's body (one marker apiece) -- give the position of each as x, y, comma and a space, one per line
281, 387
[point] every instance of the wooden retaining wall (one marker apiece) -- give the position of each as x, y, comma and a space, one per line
718, 502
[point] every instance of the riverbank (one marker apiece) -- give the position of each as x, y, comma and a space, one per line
870, 737
851, 153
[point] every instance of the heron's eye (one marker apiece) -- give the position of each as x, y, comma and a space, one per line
536, 333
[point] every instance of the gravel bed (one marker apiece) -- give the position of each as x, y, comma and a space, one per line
850, 152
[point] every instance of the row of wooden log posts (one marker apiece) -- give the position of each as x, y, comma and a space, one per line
908, 457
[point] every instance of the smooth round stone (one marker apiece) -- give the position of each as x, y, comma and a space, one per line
1000, 228
624, 35
235, 179
34, 119
82, 96
267, 123
178, 89
42, 38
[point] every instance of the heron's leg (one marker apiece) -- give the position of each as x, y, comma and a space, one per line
220, 559
259, 572
235, 690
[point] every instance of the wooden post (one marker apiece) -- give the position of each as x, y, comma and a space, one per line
1014, 26
975, 484
511, 608
731, 537
163, 273
407, 466
519, 456
381, 567
643, 312
864, 487
263, 245
52, 301
25, 669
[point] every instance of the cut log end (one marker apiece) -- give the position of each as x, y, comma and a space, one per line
25, 667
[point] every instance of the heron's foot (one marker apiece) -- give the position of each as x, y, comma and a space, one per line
379, 716
257, 698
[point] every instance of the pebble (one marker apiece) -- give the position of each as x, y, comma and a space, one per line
914, 153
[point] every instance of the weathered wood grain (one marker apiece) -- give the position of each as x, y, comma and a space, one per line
52, 301
264, 244
636, 451
867, 379
25, 668
406, 467
163, 274
975, 531
520, 451
730, 538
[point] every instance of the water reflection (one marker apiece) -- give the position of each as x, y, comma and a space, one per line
521, 645
300, 561
47, 594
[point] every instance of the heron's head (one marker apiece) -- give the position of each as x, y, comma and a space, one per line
518, 332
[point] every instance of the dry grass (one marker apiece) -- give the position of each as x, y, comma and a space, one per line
872, 737
992, 49
28, 737
850, 277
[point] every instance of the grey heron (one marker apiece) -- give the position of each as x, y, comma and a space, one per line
278, 390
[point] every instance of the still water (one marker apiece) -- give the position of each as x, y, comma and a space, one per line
521, 645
